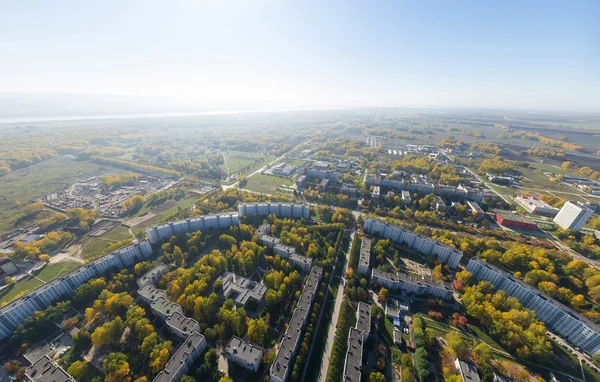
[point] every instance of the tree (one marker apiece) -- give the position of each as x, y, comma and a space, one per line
78, 369
257, 330
45, 258
116, 367
227, 240
149, 343
12, 366
376, 377
109, 333
10, 280
456, 345
160, 356
383, 293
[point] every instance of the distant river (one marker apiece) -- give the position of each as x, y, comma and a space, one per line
130, 116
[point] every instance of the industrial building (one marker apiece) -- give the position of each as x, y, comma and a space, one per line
424, 285
14, 313
280, 369
424, 245
514, 219
573, 215
537, 206
570, 325
243, 353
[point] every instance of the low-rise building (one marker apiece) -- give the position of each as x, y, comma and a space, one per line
406, 199
241, 289
181, 325
163, 308
243, 353
467, 370
46, 370
475, 209
182, 359
514, 219
7, 267
440, 205
424, 285
364, 261
537, 206
153, 275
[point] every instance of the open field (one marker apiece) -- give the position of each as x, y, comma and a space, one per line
40, 179
238, 160
267, 183
48, 273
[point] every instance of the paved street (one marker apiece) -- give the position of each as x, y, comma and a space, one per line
335, 315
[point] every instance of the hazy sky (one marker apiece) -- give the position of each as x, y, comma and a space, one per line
484, 53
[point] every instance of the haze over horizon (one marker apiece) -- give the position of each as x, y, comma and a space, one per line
265, 54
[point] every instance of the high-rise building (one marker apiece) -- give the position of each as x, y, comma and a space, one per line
573, 215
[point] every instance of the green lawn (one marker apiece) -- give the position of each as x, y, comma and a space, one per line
548, 168
241, 160
48, 273
267, 183
40, 179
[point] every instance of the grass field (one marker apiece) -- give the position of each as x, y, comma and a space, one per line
548, 168
40, 179
267, 183
238, 160
48, 273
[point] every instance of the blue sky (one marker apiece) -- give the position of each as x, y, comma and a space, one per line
493, 54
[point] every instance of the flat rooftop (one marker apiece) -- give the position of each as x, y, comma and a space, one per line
363, 319
148, 277
182, 323
150, 292
165, 306
248, 352
241, 287
46, 370
468, 371
179, 358
353, 356
365, 252
403, 277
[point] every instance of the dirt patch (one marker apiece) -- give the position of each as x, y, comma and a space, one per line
139, 219
72, 253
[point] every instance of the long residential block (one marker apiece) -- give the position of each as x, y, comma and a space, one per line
281, 210
280, 369
184, 357
424, 245
576, 329
163, 232
364, 261
411, 284
14, 313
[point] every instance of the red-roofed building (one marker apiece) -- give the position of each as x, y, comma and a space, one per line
513, 219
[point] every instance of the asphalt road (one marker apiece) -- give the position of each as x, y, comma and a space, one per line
334, 317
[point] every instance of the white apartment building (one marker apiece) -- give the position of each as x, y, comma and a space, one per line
14, 313
570, 325
573, 215
163, 232
424, 245
281, 210
410, 284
